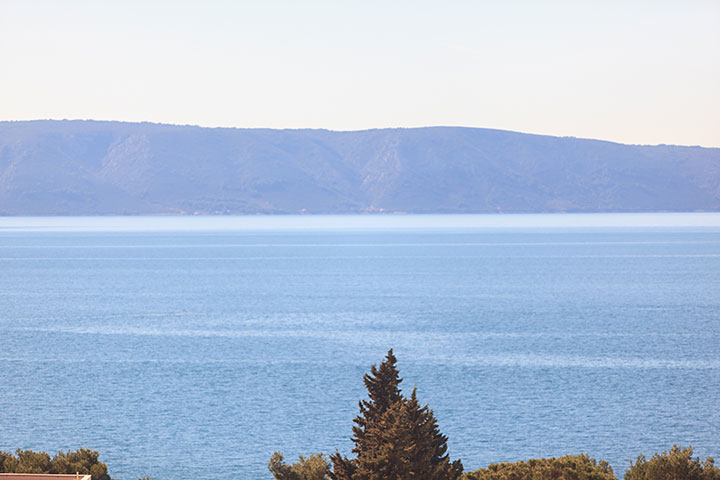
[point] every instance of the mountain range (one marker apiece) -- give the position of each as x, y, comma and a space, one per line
82, 167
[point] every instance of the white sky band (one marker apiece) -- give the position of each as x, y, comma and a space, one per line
631, 71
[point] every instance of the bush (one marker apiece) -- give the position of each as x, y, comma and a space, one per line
81, 461
569, 467
677, 464
314, 467
26, 461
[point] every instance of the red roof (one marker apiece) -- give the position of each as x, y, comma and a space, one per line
43, 476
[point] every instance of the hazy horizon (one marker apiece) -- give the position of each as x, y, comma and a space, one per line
361, 222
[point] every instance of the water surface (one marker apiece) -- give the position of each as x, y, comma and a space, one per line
183, 346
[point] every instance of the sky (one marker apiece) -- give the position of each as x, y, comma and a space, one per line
641, 72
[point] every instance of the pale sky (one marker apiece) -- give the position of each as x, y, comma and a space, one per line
627, 71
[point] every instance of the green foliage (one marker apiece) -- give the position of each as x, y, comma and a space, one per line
569, 467
26, 461
677, 464
395, 438
4, 456
314, 467
82, 461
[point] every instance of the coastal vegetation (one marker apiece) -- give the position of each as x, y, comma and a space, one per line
576, 467
678, 463
397, 439
82, 461
313, 467
394, 436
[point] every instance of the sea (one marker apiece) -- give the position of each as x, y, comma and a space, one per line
195, 347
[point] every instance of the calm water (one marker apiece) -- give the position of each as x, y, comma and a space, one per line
194, 348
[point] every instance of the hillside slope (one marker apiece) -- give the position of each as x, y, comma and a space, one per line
88, 167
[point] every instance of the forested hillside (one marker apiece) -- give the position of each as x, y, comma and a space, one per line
88, 167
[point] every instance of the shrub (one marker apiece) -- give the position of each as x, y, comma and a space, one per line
81, 461
677, 464
314, 467
569, 467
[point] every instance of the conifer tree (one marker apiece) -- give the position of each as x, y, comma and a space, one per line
395, 438
428, 453
383, 385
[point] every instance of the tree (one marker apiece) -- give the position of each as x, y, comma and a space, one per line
677, 464
395, 438
27, 461
569, 467
5, 456
82, 461
314, 467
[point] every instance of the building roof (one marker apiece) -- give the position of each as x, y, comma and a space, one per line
43, 476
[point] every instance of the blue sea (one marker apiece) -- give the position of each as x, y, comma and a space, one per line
194, 347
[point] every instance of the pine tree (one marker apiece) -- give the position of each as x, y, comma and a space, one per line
428, 454
383, 388
395, 438
383, 385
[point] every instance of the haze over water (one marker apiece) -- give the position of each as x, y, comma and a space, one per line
196, 346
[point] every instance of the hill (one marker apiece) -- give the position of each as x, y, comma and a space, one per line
87, 167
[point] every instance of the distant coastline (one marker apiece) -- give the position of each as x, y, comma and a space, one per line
360, 222
113, 168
